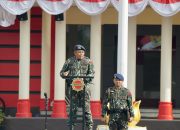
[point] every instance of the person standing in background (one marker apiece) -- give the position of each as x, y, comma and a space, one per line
120, 105
80, 65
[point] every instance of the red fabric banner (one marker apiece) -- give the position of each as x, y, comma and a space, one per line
134, 8
165, 7
55, 7
134, 1
92, 7
96, 1
167, 1
17, 7
54, 0
18, 0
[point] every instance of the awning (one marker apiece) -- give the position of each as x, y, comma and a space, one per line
9, 8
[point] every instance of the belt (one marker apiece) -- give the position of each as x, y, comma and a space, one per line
118, 111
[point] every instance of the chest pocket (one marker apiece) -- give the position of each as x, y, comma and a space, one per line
73, 68
84, 68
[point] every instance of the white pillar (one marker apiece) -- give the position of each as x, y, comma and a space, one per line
45, 57
95, 55
166, 60
23, 106
131, 81
122, 48
165, 106
59, 106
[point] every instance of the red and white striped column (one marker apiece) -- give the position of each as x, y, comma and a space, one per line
23, 105
95, 55
45, 58
59, 105
165, 105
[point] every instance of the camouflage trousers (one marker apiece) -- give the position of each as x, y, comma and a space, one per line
118, 121
77, 100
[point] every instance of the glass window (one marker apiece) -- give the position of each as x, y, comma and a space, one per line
77, 34
148, 64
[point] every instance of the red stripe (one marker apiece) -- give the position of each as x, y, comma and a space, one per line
34, 100
167, 1
11, 99
55, 0
13, 54
134, 1
52, 58
15, 26
9, 84
9, 38
93, 1
18, 0
9, 69
9, 53
36, 11
35, 84
35, 38
36, 23
35, 54
35, 70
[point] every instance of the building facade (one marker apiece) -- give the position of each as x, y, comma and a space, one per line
33, 52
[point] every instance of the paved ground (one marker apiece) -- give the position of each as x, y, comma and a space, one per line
38, 123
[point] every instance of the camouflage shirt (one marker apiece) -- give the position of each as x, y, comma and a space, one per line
119, 99
83, 67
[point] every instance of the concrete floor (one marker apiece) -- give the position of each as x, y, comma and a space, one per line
38, 123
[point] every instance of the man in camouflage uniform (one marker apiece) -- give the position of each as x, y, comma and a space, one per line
79, 65
120, 105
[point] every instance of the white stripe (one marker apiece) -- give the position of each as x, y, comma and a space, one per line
6, 19
17, 8
133, 8
92, 8
55, 7
165, 9
137, 8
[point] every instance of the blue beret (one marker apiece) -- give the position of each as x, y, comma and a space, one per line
119, 76
79, 47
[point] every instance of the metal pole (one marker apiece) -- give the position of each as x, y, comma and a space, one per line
83, 125
70, 112
46, 108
